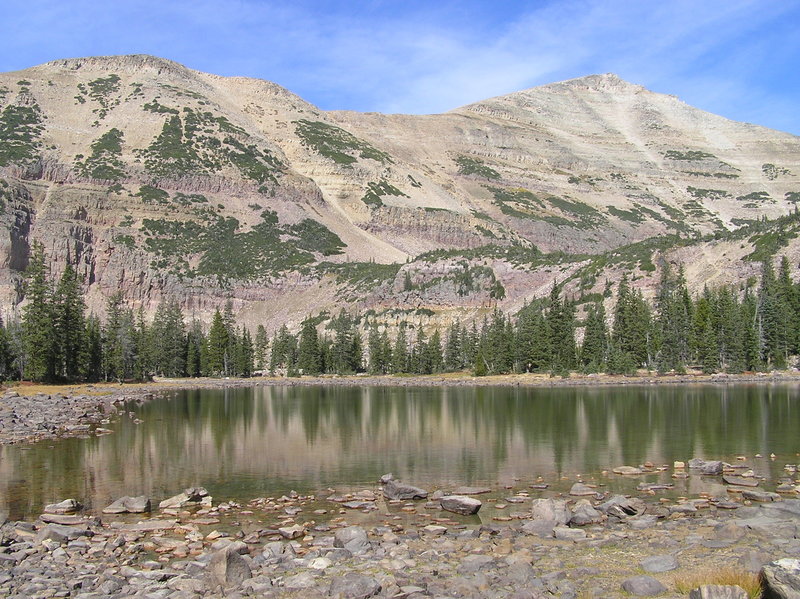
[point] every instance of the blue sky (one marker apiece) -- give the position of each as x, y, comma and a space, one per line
737, 58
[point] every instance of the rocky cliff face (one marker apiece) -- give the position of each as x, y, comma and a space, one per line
162, 181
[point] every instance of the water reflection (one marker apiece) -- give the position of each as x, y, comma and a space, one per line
243, 443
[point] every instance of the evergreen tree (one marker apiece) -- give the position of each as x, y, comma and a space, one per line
309, 359
194, 349
37, 320
119, 345
260, 349
631, 336
217, 344
93, 366
169, 335
244, 353
7, 369
674, 318
453, 352
561, 325
594, 351
400, 352
69, 327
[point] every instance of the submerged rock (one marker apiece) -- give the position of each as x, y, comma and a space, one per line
192, 496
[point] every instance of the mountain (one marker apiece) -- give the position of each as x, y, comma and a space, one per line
161, 181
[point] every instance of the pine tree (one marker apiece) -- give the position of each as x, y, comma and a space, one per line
6, 354
195, 340
674, 318
453, 352
309, 359
261, 346
93, 367
594, 351
217, 346
400, 352
119, 345
69, 327
37, 320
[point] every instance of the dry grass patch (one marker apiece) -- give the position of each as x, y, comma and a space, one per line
684, 582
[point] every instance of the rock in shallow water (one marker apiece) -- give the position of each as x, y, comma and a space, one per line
459, 504
68, 506
126, 504
394, 489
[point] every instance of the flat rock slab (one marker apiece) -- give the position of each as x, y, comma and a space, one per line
627, 470
67, 519
740, 481
760, 495
659, 563
68, 506
354, 586
129, 505
471, 490
145, 525
643, 586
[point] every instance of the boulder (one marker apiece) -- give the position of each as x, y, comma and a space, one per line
227, 568
394, 489
718, 591
659, 563
292, 532
708, 467
61, 533
386, 478
623, 507
352, 538
580, 490
565, 533
68, 506
129, 505
191, 497
540, 528
584, 513
551, 510
459, 504
781, 579
354, 586
643, 586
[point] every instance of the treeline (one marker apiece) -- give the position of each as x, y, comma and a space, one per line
732, 329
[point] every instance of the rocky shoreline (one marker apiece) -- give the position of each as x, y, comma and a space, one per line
398, 541
68, 411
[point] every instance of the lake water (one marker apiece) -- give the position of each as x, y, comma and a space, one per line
265, 441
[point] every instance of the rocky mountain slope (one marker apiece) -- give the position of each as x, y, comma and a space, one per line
163, 181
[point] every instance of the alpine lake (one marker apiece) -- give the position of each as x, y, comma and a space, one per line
266, 441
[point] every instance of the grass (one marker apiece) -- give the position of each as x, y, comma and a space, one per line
686, 581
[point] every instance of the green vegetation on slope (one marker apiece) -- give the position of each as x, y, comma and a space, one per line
104, 163
375, 191
20, 132
337, 144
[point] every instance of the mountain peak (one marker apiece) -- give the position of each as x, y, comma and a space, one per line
124, 62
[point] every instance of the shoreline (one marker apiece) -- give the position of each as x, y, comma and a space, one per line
33, 412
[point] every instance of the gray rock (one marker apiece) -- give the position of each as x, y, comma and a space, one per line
292, 532
565, 533
760, 495
712, 468
304, 580
131, 505
552, 510
471, 490
227, 568
623, 507
68, 506
718, 591
584, 513
659, 563
475, 563
580, 490
740, 481
540, 528
729, 532
386, 478
643, 586
352, 538
354, 586
61, 534
781, 579
460, 504
642, 522
627, 470
394, 489
682, 508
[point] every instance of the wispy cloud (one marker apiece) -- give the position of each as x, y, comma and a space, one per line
735, 57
